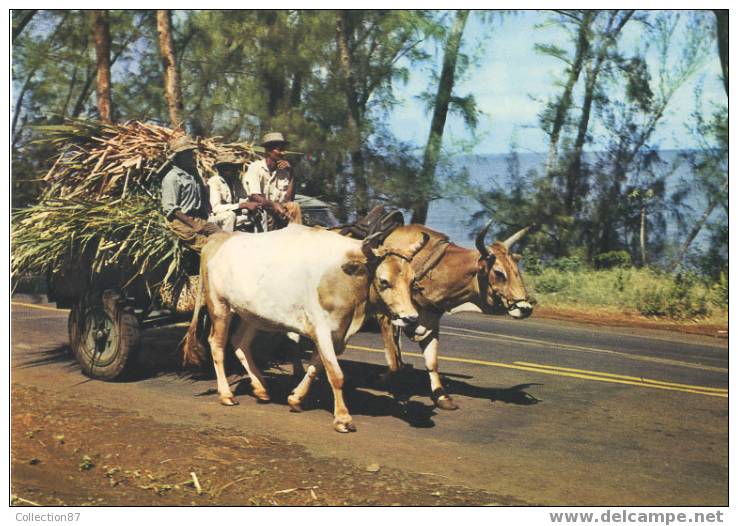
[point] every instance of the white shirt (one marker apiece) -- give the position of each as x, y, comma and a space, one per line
223, 198
272, 184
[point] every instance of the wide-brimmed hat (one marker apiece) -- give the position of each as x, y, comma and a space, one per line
181, 144
227, 158
273, 138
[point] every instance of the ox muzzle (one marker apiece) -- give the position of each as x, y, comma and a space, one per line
520, 310
411, 327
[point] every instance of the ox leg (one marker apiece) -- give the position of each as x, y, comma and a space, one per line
221, 319
392, 346
342, 421
430, 354
296, 354
242, 339
300, 392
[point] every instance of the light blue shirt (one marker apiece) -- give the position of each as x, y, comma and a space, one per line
183, 191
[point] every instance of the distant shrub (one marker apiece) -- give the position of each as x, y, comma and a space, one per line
621, 280
678, 300
720, 291
531, 264
613, 259
568, 264
653, 302
643, 290
551, 282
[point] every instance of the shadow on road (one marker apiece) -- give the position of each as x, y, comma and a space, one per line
56, 355
368, 390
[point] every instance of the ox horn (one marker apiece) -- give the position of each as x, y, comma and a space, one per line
510, 241
480, 240
370, 243
417, 247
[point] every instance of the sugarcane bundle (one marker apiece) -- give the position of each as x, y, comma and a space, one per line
45, 236
102, 202
100, 160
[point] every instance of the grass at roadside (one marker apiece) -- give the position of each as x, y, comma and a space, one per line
631, 290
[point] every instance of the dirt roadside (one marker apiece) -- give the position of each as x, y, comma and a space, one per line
72, 452
626, 319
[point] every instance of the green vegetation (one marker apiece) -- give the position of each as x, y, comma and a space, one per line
611, 199
605, 200
684, 296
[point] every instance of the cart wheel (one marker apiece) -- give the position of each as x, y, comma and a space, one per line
104, 335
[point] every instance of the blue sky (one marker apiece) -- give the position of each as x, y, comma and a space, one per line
511, 81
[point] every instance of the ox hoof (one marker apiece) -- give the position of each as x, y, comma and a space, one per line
344, 427
262, 398
228, 401
295, 406
446, 403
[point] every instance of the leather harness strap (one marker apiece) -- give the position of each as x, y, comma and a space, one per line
434, 256
423, 268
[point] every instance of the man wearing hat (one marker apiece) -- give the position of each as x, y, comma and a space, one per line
269, 181
228, 200
184, 197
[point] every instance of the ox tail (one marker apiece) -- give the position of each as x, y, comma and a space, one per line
193, 345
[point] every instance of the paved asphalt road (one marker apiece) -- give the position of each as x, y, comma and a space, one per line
551, 412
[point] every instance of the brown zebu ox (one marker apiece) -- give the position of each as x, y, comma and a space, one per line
447, 276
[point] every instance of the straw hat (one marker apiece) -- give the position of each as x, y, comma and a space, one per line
181, 144
273, 137
227, 158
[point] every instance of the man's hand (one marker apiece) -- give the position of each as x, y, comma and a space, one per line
249, 205
279, 209
208, 229
283, 165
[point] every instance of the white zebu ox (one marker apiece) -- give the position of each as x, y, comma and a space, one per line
299, 279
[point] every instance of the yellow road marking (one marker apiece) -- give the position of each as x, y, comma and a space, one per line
526, 366
653, 384
622, 377
530, 341
41, 307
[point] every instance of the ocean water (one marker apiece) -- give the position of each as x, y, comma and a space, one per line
452, 215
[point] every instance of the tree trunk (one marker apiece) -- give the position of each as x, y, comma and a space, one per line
101, 39
19, 102
696, 230
574, 175
643, 235
70, 91
722, 40
353, 117
272, 74
440, 112
79, 105
172, 88
23, 22
296, 89
565, 101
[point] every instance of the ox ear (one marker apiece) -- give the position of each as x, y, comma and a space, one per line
516, 257
416, 247
353, 268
